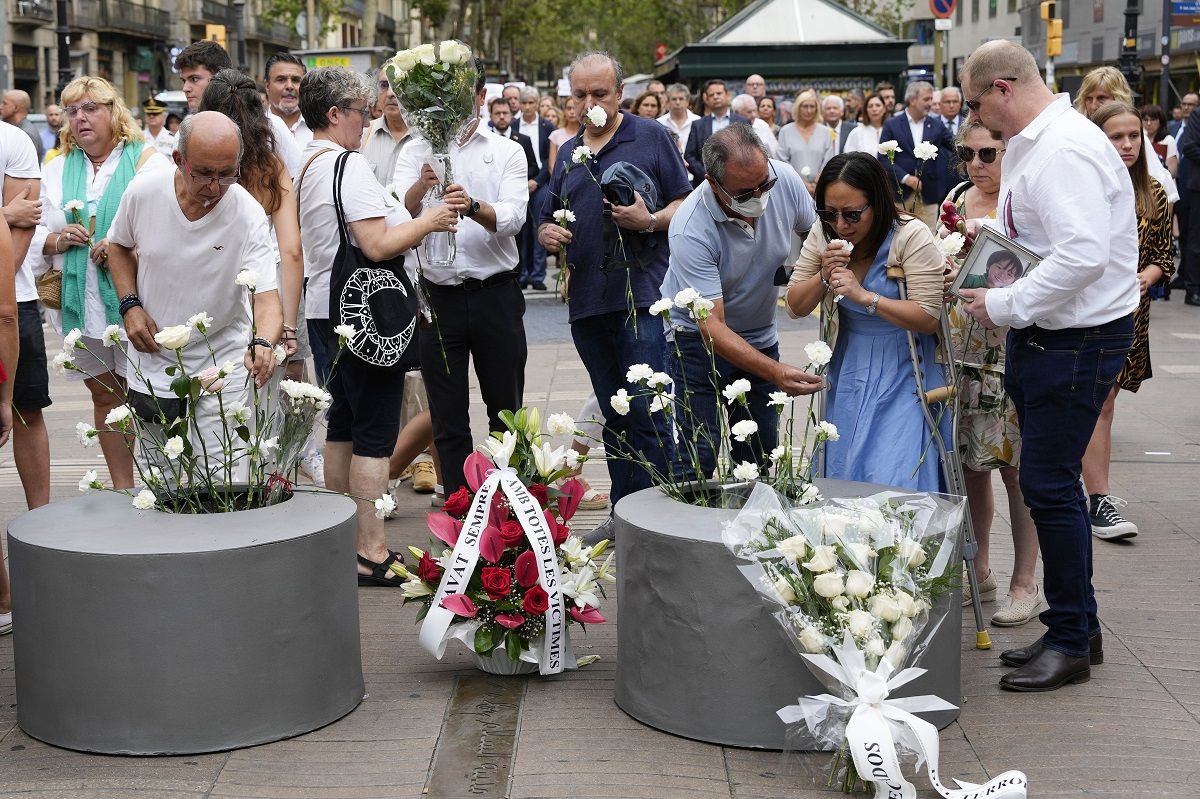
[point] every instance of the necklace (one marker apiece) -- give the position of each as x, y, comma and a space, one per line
96, 163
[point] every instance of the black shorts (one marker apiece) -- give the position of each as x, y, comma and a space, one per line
31, 383
366, 406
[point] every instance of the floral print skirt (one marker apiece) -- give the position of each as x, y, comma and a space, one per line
989, 436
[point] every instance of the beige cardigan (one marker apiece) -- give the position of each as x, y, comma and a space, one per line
913, 248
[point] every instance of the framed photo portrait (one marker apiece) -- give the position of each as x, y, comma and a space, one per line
995, 261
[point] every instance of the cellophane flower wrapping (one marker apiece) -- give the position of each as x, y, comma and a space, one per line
435, 85
860, 572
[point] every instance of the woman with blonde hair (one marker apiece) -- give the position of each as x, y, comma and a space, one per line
806, 144
102, 151
1122, 125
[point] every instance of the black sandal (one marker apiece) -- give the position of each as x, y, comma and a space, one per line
381, 573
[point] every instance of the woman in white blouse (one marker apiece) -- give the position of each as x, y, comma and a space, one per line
865, 138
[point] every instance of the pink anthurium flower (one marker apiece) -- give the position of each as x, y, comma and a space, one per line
491, 544
510, 620
527, 569
460, 605
587, 615
444, 528
572, 494
476, 468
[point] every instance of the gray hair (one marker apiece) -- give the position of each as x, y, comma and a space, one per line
841, 104
529, 93
743, 100
594, 57
184, 136
731, 143
679, 88
951, 90
326, 87
915, 88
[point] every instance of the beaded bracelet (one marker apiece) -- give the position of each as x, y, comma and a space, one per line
259, 341
128, 303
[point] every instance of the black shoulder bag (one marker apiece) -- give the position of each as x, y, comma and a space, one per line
376, 298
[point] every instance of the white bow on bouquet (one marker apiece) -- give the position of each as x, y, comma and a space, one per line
870, 737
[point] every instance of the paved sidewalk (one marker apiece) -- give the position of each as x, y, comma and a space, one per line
1130, 732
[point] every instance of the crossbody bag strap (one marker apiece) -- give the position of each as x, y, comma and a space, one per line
339, 172
147, 151
300, 177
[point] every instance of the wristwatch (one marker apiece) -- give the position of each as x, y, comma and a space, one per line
472, 209
650, 228
874, 306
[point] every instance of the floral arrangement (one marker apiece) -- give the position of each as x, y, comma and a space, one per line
505, 601
260, 441
788, 467
855, 578
435, 85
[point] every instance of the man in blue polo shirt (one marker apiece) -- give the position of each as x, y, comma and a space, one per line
728, 241
610, 296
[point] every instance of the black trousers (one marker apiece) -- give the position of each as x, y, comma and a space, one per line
485, 323
1189, 239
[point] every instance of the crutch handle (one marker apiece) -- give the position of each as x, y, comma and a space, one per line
940, 394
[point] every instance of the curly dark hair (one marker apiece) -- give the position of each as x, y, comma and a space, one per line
236, 96
864, 172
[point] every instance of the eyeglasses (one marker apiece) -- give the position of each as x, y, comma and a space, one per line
974, 103
760, 190
206, 181
88, 107
366, 112
849, 216
986, 154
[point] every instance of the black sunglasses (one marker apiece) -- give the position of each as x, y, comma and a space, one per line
830, 215
986, 154
761, 189
974, 103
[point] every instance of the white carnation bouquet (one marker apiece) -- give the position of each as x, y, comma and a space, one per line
856, 579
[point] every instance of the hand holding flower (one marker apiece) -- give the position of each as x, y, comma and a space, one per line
844, 283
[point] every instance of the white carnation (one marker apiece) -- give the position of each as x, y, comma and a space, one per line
560, 424
639, 372
111, 336
384, 506
736, 390
952, 244
564, 217
597, 116
247, 278
745, 471
779, 398
144, 500
827, 431
860, 623
819, 353
620, 402
581, 154
63, 361
71, 340
201, 321
118, 415
174, 447
889, 147
88, 481
661, 308
925, 151
744, 429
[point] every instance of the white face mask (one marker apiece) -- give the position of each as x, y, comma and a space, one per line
752, 208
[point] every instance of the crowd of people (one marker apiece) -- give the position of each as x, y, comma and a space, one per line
733, 196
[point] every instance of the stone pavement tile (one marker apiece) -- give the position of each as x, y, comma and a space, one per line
29, 767
1182, 684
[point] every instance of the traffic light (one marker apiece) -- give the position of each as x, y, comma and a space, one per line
1053, 37
1048, 10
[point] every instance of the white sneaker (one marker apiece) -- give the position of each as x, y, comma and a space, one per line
5, 623
312, 465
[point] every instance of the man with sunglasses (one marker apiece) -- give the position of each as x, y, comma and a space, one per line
1065, 195
729, 241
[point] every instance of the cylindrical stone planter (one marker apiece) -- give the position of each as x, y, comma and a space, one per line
150, 633
699, 655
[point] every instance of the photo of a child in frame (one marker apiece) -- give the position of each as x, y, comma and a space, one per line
994, 262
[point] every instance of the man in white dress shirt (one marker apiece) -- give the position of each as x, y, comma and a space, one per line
196, 65
679, 117
532, 124
475, 303
1064, 195
284, 73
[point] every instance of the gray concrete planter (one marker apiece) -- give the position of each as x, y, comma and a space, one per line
148, 633
698, 653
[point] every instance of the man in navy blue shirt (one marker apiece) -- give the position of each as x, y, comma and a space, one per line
609, 297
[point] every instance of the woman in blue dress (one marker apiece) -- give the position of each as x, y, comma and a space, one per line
883, 434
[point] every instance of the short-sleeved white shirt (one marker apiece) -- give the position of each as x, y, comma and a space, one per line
54, 218
18, 159
362, 198
188, 266
286, 146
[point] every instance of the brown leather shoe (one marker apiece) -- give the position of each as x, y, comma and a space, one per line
1049, 670
1019, 657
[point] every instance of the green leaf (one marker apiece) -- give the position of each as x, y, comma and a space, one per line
483, 640
422, 613
182, 386
171, 370
243, 433
512, 645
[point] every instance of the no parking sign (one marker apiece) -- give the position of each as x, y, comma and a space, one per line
942, 9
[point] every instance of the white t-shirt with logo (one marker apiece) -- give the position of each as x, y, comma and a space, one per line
188, 266
18, 159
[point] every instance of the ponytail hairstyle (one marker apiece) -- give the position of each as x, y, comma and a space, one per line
1138, 171
236, 96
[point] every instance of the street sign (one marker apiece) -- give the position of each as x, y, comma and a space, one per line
942, 8
943, 24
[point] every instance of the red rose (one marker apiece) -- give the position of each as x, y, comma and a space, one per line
458, 503
496, 581
527, 569
537, 601
539, 492
512, 533
428, 569
558, 531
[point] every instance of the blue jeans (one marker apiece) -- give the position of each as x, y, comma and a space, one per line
692, 371
608, 346
1058, 380
319, 333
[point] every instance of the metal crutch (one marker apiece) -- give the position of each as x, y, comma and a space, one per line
951, 463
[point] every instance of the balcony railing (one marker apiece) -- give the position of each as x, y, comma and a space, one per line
83, 14
212, 12
274, 32
131, 17
31, 12
385, 23
355, 8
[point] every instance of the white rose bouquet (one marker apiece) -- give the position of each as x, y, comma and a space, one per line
854, 578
